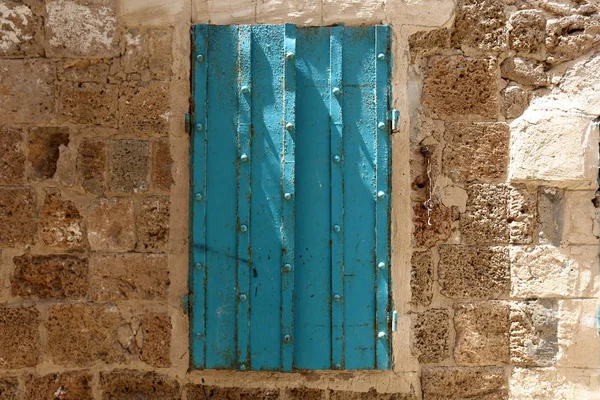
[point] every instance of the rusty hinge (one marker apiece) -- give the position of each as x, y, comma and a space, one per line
394, 118
185, 303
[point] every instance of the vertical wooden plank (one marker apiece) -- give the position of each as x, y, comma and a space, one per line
312, 281
197, 201
337, 199
382, 132
288, 190
221, 197
243, 260
359, 117
266, 204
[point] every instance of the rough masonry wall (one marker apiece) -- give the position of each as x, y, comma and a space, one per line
494, 231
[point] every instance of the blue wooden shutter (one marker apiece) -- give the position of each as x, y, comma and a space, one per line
289, 260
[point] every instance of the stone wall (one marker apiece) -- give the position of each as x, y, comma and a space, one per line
495, 237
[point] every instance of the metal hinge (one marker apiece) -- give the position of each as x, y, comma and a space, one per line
187, 123
185, 303
394, 321
394, 118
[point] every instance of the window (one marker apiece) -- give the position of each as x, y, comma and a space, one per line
290, 198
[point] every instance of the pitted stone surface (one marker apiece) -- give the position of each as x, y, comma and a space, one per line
421, 278
523, 71
372, 394
428, 230
50, 277
19, 341
533, 333
89, 103
571, 36
428, 42
85, 70
473, 272
18, 212
61, 224
463, 383
153, 224
162, 164
129, 161
157, 339
482, 333
514, 101
476, 151
44, 149
128, 384
479, 24
12, 159
301, 393
527, 31
144, 109
9, 388
111, 224
91, 164
64, 386
458, 87
21, 31
431, 335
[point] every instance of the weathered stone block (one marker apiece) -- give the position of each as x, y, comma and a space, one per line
282, 11
162, 163
82, 334
44, 149
110, 224
144, 109
148, 53
129, 276
527, 31
61, 224
424, 43
201, 392
460, 383
259, 394
85, 70
473, 271
91, 164
19, 337
578, 344
12, 159
157, 339
523, 71
550, 215
425, 164
479, 25
458, 87
9, 388
498, 214
482, 333
82, 28
127, 384
476, 151
571, 36
533, 333
421, 278
580, 218
129, 165
431, 335
21, 32
50, 277
153, 224
514, 101
372, 394
302, 393
428, 230
64, 386
18, 211
365, 12
89, 103
547, 271
554, 383
27, 90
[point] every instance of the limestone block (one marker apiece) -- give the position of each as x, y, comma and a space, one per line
370, 395
458, 87
128, 384
514, 101
84, 70
91, 164
162, 164
89, 103
27, 90
50, 277
82, 28
479, 25
61, 224
421, 278
153, 224
75, 385
533, 333
12, 159
463, 383
554, 384
498, 214
524, 71
305, 12
548, 271
144, 109
111, 225
473, 271
543, 138
419, 12
156, 346
129, 276
353, 12
21, 32
224, 12
580, 218
578, 334
129, 163
18, 212
44, 144
550, 215
83, 334
159, 12
9, 388
527, 31
428, 42
19, 341
431, 335
482, 333
428, 230
579, 87
571, 36
301, 393
476, 151
201, 392
148, 53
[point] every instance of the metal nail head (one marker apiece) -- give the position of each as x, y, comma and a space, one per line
287, 267
337, 91
244, 157
287, 338
381, 265
381, 335
243, 297
199, 196
381, 194
381, 125
289, 126
198, 266
243, 228
337, 228
200, 58
337, 297
199, 127
290, 56
381, 57
337, 159
245, 89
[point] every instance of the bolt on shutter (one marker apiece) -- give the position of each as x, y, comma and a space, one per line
289, 259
